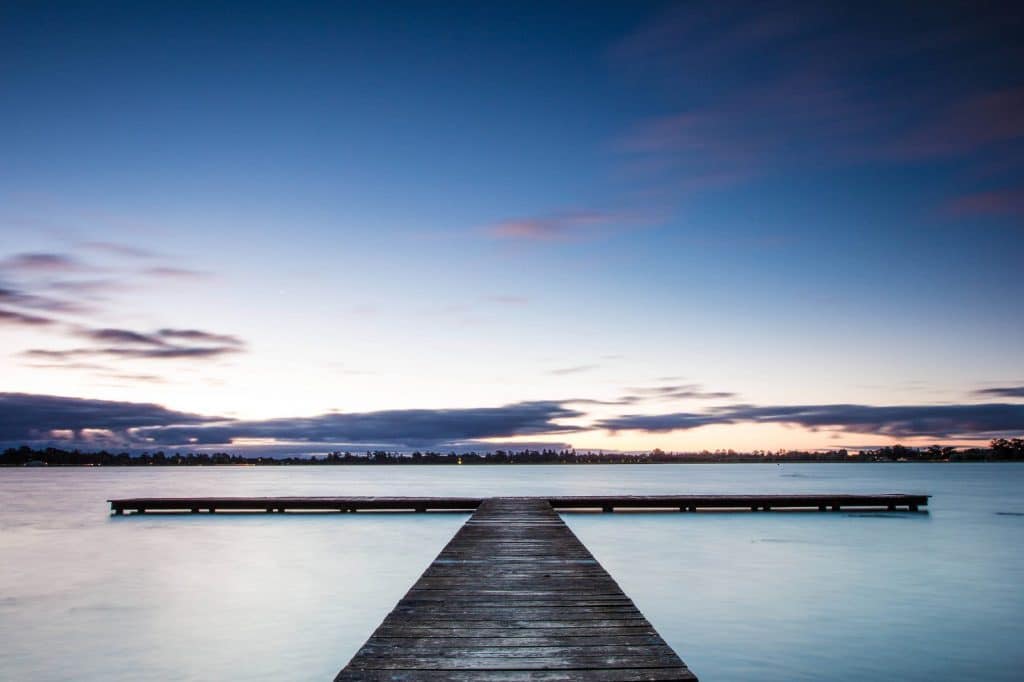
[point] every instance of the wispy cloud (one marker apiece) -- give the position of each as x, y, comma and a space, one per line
135, 378
508, 299
200, 336
777, 87
1002, 392
555, 227
119, 250
43, 263
161, 353
25, 307
999, 202
123, 336
169, 272
20, 298
967, 125
12, 317
681, 392
574, 369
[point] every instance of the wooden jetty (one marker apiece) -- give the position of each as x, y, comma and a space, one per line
515, 596
608, 503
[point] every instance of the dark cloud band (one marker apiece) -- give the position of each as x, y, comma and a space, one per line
38, 419
28, 418
1002, 392
35, 418
900, 421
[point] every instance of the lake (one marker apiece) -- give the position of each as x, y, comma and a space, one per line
769, 596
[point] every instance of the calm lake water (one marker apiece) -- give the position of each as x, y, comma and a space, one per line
767, 597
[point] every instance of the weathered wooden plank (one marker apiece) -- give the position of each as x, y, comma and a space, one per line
485, 642
515, 596
447, 630
565, 661
616, 675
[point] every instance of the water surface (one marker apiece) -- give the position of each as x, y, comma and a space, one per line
767, 597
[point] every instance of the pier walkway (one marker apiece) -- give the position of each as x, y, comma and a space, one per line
515, 596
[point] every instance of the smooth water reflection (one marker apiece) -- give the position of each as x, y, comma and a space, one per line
779, 596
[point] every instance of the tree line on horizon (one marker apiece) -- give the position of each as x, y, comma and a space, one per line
999, 450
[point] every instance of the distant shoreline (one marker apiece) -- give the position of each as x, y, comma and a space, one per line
999, 450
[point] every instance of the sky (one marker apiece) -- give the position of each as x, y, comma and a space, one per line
299, 227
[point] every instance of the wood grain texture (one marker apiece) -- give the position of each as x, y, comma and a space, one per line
515, 596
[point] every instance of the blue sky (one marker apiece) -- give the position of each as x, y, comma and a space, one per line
578, 215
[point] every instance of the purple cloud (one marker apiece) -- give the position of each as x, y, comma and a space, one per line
965, 126
42, 263
15, 318
1002, 202
1002, 392
164, 344
681, 392
811, 85
197, 335
168, 353
123, 336
556, 227
168, 272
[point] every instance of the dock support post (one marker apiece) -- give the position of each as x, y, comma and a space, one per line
835, 507
821, 507
892, 507
119, 511
913, 507
195, 511
210, 510
607, 509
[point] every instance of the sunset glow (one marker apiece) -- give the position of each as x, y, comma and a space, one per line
667, 228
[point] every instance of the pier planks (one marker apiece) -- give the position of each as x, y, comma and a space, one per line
515, 596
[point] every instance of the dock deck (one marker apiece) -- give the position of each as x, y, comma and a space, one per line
515, 596
821, 502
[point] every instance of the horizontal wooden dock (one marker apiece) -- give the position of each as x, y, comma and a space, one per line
515, 596
833, 502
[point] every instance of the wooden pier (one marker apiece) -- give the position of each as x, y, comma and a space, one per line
692, 503
515, 596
